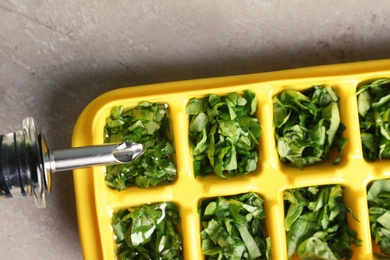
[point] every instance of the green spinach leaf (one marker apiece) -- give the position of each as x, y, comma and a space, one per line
316, 223
374, 117
378, 196
224, 134
307, 125
233, 228
148, 124
148, 232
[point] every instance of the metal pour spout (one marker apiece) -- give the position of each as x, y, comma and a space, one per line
81, 157
26, 164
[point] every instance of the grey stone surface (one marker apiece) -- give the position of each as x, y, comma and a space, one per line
57, 56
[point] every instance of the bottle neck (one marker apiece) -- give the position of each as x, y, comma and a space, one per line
14, 173
21, 165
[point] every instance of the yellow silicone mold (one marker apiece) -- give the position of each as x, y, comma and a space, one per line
96, 202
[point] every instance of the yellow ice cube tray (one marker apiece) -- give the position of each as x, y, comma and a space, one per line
96, 202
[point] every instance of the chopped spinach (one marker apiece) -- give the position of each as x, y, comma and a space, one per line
148, 124
148, 232
224, 134
374, 117
316, 223
378, 196
233, 228
307, 125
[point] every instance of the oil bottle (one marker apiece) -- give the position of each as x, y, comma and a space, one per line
26, 164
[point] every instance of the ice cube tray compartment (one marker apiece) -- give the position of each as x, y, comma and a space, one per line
96, 202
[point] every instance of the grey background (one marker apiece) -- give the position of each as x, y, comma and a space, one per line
57, 56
